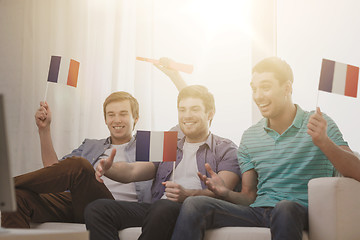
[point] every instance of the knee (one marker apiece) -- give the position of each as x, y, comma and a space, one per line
23, 195
79, 164
288, 210
288, 220
193, 205
95, 211
164, 209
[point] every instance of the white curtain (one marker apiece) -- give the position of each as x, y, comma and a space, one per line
105, 36
101, 35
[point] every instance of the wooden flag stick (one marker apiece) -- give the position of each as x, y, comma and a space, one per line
46, 90
317, 99
174, 171
187, 68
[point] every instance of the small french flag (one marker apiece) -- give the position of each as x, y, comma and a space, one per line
339, 78
156, 146
60, 68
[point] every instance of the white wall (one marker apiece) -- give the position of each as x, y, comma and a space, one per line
309, 31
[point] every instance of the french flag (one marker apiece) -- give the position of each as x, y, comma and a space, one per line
66, 69
156, 146
339, 78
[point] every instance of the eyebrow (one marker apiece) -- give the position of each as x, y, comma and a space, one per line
263, 81
123, 111
193, 106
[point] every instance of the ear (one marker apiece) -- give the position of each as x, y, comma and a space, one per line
135, 122
288, 88
211, 115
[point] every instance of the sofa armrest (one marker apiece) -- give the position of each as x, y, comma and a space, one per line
334, 208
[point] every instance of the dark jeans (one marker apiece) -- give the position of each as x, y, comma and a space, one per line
286, 220
40, 194
104, 218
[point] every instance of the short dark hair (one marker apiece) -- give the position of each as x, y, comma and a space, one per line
198, 91
122, 96
281, 69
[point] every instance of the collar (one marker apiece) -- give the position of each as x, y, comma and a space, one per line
208, 142
132, 140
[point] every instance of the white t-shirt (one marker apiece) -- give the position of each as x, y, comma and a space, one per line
120, 191
186, 170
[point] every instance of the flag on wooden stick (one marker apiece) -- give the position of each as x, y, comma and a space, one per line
156, 146
67, 69
339, 78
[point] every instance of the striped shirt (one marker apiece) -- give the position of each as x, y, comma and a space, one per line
285, 163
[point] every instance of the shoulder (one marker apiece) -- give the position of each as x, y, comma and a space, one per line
222, 147
221, 141
255, 130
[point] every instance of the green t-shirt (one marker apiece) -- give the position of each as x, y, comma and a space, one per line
285, 163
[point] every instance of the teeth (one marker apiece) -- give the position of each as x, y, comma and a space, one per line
263, 105
118, 128
188, 123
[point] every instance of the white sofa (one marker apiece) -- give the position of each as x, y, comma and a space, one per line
334, 214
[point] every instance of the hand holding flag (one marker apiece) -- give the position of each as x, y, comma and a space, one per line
175, 192
104, 165
43, 116
317, 127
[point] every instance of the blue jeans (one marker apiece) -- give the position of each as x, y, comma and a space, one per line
286, 220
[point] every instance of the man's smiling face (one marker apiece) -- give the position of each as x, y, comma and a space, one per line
270, 95
194, 121
120, 122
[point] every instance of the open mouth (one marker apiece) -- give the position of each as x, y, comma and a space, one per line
263, 105
118, 127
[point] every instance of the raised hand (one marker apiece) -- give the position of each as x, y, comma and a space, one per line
43, 116
104, 165
214, 183
163, 66
174, 75
317, 127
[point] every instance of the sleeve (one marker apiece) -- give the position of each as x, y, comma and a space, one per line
229, 160
334, 133
76, 152
243, 157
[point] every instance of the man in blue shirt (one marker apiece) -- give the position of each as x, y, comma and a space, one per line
42, 195
277, 157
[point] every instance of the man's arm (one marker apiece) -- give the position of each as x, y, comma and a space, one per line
172, 74
177, 193
341, 157
248, 189
43, 121
124, 172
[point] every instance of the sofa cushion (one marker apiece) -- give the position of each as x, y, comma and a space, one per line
225, 233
